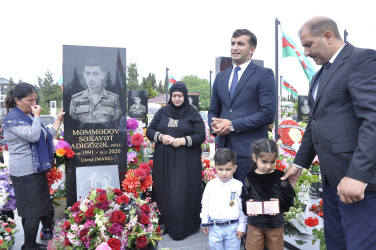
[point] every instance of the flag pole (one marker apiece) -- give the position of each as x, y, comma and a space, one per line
210, 74
277, 23
166, 84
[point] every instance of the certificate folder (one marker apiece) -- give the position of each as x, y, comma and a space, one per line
263, 207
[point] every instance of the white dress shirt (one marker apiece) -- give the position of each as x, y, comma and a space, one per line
240, 72
216, 202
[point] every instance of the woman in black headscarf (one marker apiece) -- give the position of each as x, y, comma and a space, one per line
178, 131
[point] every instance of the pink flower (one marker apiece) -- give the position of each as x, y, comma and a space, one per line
103, 246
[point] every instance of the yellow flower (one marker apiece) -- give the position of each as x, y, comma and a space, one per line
60, 152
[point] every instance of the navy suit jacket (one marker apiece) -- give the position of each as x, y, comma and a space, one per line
251, 110
342, 124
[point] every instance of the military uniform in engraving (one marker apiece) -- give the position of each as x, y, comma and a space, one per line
89, 109
138, 109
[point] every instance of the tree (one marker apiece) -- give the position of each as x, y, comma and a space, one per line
196, 84
149, 80
161, 88
12, 84
132, 78
151, 92
49, 90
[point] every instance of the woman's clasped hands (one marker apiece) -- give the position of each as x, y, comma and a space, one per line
176, 142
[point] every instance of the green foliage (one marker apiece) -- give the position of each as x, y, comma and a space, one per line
319, 235
292, 214
150, 84
48, 90
151, 92
132, 77
161, 88
196, 84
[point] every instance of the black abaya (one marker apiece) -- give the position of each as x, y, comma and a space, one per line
177, 172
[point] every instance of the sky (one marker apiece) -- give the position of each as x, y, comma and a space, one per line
185, 36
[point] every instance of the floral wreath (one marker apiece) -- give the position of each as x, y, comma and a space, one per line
291, 136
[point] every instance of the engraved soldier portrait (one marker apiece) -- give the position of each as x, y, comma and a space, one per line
137, 108
95, 104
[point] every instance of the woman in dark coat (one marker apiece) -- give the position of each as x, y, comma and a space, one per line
178, 131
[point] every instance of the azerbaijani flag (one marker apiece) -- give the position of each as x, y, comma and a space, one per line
171, 80
290, 49
287, 86
60, 81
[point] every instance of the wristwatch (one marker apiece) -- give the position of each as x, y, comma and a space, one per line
231, 127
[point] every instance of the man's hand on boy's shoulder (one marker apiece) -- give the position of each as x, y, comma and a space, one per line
205, 229
239, 234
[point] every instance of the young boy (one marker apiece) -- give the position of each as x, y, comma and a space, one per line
221, 214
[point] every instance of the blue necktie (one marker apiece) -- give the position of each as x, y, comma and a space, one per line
234, 81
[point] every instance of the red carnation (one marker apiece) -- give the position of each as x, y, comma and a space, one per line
159, 230
89, 213
102, 198
119, 217
67, 242
83, 233
141, 242
66, 225
145, 167
78, 218
144, 219
122, 199
311, 222
137, 139
114, 243
69, 152
75, 207
145, 208
142, 173
150, 163
118, 192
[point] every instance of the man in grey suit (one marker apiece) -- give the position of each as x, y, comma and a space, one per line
243, 102
341, 130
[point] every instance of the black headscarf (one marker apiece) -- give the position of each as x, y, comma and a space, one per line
184, 109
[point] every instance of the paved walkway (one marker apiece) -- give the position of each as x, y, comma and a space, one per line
198, 241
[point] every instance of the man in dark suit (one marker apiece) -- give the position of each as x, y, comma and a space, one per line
243, 102
341, 130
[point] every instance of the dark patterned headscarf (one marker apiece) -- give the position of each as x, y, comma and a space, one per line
184, 109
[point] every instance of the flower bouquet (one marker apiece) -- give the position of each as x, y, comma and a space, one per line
136, 144
317, 232
108, 219
7, 198
63, 152
7, 232
138, 181
208, 171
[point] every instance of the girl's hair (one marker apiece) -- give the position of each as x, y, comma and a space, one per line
263, 146
21, 90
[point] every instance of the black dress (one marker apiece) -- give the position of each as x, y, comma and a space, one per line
263, 187
177, 171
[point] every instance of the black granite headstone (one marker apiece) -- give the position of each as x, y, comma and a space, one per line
194, 99
303, 108
95, 112
138, 105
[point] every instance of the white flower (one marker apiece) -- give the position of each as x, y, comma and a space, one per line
296, 146
83, 205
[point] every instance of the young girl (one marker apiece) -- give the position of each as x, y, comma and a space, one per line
263, 183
